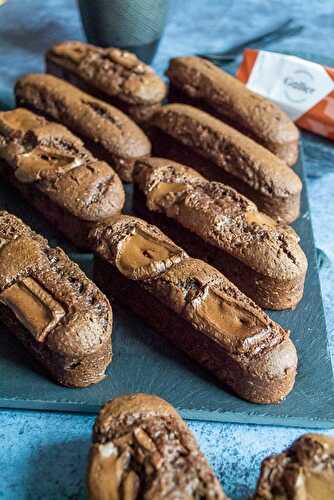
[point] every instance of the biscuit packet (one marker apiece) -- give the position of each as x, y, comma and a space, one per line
303, 89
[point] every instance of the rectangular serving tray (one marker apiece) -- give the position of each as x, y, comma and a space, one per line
145, 362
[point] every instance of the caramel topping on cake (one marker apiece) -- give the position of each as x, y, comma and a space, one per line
41, 160
33, 306
163, 189
109, 478
226, 316
141, 255
233, 324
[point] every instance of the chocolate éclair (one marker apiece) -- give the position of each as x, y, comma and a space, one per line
143, 449
111, 74
109, 134
304, 471
49, 304
203, 84
57, 175
194, 306
215, 223
221, 153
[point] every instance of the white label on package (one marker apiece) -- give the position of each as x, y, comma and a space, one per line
294, 84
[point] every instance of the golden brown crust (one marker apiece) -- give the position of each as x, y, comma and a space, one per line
143, 449
214, 322
60, 316
268, 179
95, 121
247, 111
229, 222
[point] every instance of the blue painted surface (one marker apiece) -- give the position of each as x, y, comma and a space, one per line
43, 455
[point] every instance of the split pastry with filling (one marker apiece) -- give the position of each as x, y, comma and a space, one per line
57, 174
221, 153
143, 449
213, 222
49, 304
196, 307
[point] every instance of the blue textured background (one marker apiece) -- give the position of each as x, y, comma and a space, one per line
43, 455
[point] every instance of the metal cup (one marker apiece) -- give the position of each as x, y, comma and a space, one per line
133, 25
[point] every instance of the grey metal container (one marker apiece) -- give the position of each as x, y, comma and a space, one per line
134, 25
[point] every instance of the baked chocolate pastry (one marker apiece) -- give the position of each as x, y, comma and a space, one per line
305, 471
56, 174
49, 304
201, 83
196, 307
223, 154
215, 223
111, 74
143, 449
107, 132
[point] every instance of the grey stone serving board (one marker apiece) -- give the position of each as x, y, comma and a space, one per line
145, 362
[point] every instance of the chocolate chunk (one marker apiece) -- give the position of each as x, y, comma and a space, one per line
33, 306
142, 255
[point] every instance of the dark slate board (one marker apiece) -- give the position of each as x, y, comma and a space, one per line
145, 362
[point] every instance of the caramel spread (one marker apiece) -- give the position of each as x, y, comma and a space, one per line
227, 316
233, 325
33, 306
315, 482
315, 486
163, 189
142, 256
108, 480
31, 166
260, 219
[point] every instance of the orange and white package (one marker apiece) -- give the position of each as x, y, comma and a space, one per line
303, 89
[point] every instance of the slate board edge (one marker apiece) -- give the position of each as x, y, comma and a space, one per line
199, 415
